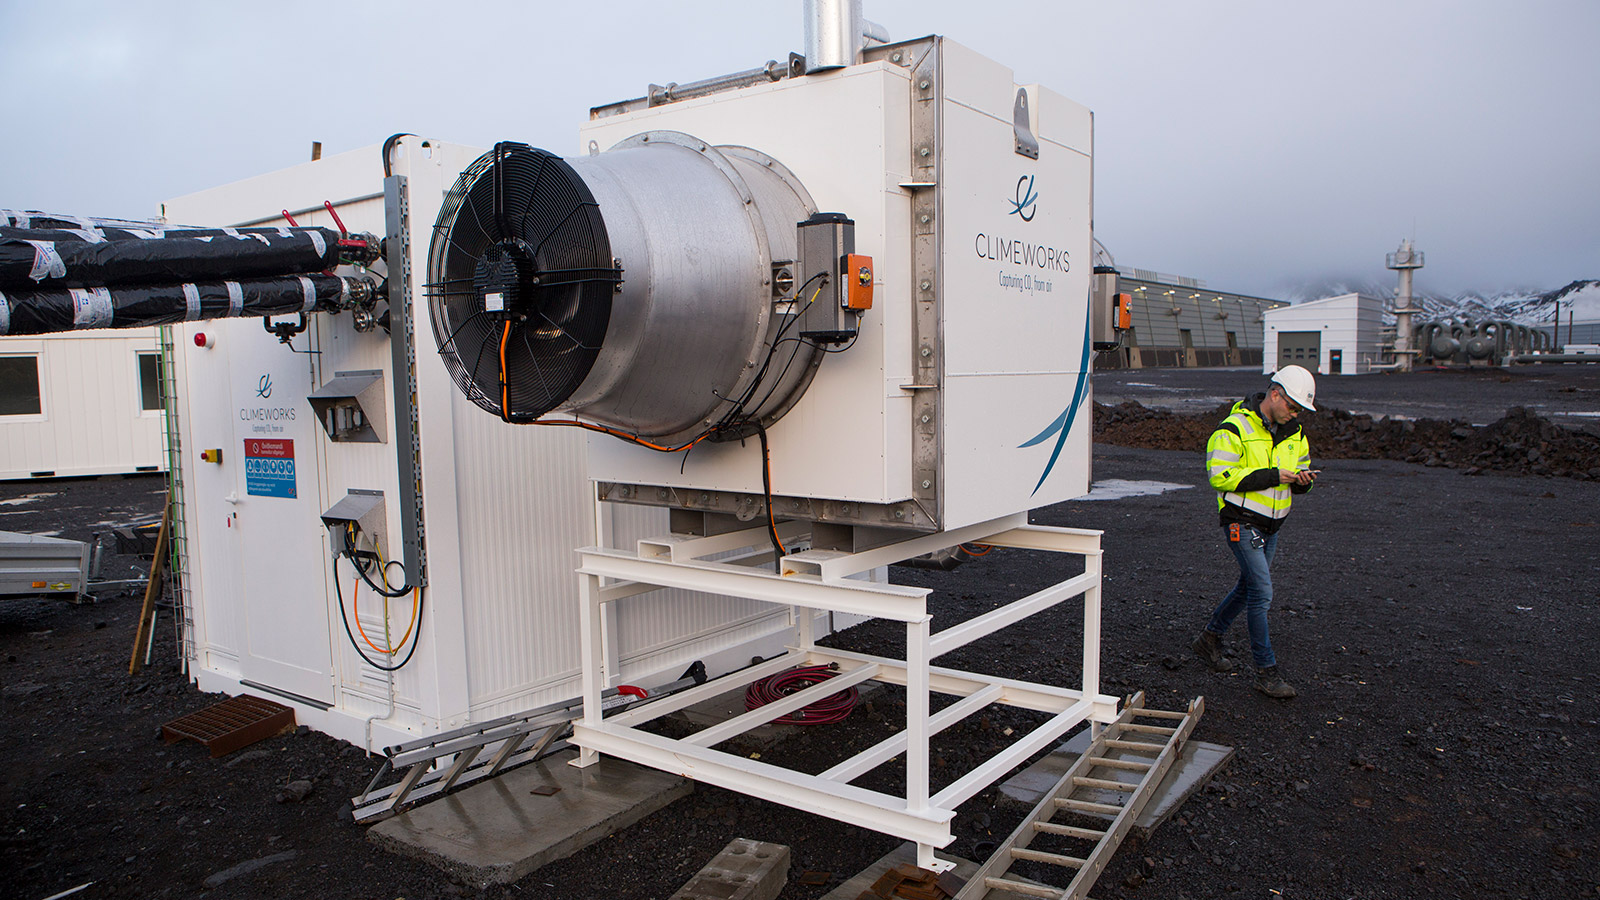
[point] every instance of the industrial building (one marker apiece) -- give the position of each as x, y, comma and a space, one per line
1340, 335
1179, 321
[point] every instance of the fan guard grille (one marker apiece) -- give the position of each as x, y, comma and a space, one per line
520, 269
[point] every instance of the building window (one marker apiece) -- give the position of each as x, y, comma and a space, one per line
19, 386
150, 382
1233, 340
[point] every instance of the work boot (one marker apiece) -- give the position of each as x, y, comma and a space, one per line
1208, 646
1269, 682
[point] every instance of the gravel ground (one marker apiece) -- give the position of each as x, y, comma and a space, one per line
1568, 395
1442, 631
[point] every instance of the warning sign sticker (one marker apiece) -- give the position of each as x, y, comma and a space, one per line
269, 467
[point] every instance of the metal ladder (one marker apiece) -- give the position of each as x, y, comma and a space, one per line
177, 526
420, 759
1139, 747
422, 779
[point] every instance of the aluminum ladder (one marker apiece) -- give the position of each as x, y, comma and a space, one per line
420, 759
1139, 747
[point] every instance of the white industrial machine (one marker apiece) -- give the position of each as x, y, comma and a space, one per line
794, 324
295, 442
849, 304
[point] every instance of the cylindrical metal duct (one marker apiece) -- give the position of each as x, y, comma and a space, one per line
834, 31
697, 229
684, 336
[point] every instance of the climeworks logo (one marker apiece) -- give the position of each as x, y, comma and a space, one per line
1026, 202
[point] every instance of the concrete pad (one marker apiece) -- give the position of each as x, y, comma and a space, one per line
1197, 762
499, 830
744, 870
905, 853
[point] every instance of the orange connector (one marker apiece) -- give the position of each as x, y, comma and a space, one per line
858, 282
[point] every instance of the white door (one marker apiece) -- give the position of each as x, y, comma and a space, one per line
283, 557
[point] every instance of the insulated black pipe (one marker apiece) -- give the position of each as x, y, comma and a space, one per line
44, 258
52, 310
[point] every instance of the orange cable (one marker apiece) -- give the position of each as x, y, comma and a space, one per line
505, 385
621, 434
383, 576
355, 607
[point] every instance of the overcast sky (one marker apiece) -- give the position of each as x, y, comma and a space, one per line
1261, 146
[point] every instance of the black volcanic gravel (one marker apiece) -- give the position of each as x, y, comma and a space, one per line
1442, 630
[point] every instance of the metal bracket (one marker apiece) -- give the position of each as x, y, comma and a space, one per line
1021, 124
403, 359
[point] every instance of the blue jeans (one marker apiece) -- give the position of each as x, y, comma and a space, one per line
1252, 595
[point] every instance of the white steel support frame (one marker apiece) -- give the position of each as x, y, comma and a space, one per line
821, 580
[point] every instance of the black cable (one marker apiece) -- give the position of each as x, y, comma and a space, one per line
355, 561
338, 592
385, 592
739, 406
766, 487
388, 147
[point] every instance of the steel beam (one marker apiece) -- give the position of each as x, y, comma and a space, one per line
858, 806
884, 601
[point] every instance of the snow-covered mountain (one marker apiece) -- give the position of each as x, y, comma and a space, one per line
1580, 300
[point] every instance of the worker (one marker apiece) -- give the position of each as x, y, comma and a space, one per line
1256, 459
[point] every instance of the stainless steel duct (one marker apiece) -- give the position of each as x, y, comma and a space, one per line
683, 333
835, 33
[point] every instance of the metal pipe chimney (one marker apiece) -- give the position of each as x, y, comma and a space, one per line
1404, 261
836, 32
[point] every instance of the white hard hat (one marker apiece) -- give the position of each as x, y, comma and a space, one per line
1297, 385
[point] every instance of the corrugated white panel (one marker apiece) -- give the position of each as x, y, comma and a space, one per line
91, 421
524, 506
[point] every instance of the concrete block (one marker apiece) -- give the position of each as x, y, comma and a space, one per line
744, 870
499, 830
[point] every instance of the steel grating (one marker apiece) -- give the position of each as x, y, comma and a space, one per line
225, 727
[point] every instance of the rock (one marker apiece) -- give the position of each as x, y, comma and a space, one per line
295, 791
249, 756
246, 868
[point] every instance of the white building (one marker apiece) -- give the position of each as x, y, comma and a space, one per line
1335, 336
87, 403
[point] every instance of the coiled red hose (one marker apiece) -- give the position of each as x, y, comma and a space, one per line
828, 710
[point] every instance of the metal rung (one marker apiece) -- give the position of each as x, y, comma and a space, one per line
1136, 746
1087, 806
1104, 784
1146, 729
1088, 834
1132, 765
1022, 887
1054, 859
1160, 714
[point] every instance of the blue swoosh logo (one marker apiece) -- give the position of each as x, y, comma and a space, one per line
1062, 426
1026, 200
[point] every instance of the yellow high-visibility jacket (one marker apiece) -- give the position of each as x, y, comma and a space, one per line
1243, 457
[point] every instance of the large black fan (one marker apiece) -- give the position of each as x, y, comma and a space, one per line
520, 281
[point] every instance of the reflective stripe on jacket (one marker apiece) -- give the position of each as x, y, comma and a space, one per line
1242, 446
